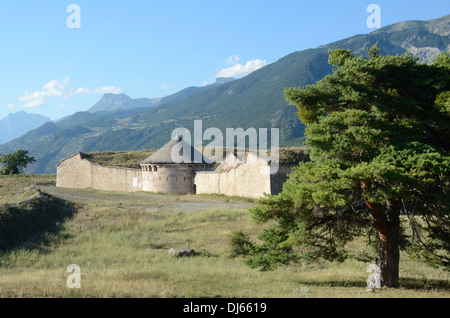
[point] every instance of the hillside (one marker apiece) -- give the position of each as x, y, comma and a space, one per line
256, 100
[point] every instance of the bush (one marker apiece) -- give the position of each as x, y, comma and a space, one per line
239, 243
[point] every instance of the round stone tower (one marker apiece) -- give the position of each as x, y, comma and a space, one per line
172, 168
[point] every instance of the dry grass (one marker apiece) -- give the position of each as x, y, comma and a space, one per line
131, 159
121, 242
16, 188
127, 159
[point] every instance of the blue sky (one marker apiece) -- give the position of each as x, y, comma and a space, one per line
156, 48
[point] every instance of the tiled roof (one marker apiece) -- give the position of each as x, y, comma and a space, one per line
164, 155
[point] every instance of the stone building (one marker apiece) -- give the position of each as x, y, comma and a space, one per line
172, 168
248, 177
177, 168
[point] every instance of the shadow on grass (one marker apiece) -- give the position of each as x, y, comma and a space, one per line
205, 253
30, 223
424, 284
331, 283
405, 283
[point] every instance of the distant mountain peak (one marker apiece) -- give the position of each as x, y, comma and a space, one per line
112, 95
116, 98
16, 124
113, 102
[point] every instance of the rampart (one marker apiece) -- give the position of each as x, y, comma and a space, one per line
250, 178
169, 179
80, 173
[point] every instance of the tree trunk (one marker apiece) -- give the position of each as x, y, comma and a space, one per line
387, 222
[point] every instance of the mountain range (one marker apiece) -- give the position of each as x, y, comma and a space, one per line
119, 123
17, 124
113, 102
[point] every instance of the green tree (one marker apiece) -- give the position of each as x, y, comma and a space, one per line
379, 133
15, 163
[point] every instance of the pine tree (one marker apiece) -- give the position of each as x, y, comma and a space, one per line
379, 133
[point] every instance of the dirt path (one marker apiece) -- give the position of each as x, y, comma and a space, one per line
144, 200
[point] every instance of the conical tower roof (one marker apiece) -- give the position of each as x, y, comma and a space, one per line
164, 154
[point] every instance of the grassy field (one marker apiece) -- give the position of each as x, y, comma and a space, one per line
121, 241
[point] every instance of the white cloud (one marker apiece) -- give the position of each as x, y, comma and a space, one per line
108, 90
60, 89
33, 100
11, 106
55, 88
163, 86
232, 60
83, 90
101, 90
240, 70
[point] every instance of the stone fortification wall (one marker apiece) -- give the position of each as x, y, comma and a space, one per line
77, 172
234, 177
116, 178
247, 179
74, 172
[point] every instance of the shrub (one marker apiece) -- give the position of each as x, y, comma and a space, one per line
239, 243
